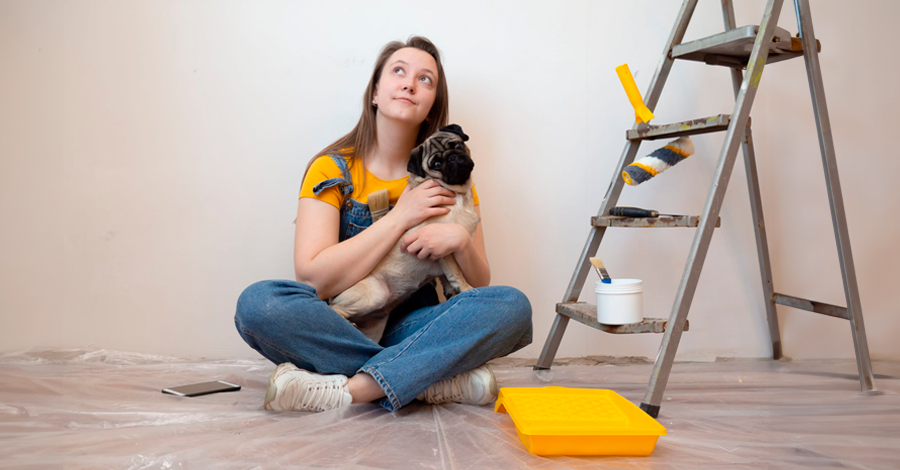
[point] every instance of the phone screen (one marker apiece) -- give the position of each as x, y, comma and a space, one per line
203, 388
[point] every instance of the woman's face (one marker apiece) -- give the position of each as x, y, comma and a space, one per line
408, 86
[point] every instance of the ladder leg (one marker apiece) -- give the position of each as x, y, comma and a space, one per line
615, 186
549, 352
759, 225
762, 244
832, 182
700, 245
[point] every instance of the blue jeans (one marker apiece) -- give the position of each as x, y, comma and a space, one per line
286, 322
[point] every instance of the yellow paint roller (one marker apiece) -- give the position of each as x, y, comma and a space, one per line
641, 112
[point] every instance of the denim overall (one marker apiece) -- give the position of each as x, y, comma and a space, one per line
355, 216
424, 341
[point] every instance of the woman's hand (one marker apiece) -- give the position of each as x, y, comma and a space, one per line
426, 200
435, 241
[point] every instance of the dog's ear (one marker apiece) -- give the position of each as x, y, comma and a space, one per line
415, 161
454, 128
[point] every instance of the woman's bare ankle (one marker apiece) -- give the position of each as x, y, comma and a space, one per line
364, 388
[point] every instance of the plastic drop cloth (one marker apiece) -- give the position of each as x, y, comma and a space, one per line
76, 409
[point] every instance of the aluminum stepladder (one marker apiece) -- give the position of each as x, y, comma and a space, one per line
720, 50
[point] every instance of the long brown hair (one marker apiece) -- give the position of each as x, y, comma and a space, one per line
363, 138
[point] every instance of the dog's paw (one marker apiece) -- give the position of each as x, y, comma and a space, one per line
449, 292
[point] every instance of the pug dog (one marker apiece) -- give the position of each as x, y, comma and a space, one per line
445, 158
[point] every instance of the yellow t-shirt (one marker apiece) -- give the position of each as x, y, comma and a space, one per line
325, 168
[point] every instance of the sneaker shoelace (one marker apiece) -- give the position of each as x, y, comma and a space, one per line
321, 395
447, 390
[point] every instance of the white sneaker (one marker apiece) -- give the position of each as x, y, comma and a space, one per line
475, 387
294, 389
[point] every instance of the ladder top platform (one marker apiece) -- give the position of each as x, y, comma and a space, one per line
587, 313
732, 48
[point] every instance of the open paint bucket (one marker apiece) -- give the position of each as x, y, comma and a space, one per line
621, 302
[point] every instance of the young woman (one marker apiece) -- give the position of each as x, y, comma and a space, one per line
431, 351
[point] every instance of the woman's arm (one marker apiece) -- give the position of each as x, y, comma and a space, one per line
435, 241
472, 258
331, 267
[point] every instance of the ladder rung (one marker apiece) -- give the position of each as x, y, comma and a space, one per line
732, 48
663, 221
811, 306
705, 125
587, 313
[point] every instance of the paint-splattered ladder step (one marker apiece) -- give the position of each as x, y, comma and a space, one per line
586, 313
705, 125
663, 221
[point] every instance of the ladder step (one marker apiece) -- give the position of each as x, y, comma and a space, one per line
811, 306
732, 48
705, 125
663, 221
587, 313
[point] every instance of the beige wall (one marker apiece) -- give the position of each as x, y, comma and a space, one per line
151, 153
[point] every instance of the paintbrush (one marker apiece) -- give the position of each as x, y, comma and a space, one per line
601, 270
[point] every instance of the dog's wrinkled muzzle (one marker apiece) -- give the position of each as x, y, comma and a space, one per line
457, 168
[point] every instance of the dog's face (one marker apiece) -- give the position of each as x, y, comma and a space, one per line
443, 156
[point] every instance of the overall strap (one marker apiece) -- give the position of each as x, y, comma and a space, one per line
345, 182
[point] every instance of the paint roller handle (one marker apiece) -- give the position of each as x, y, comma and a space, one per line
641, 112
623, 211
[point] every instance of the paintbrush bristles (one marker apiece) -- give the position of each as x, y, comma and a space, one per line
379, 200
601, 270
379, 204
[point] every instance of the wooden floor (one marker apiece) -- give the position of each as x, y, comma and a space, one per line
103, 409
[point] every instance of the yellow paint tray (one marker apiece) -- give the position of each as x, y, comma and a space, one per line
578, 421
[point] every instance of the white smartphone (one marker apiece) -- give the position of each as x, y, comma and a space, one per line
204, 388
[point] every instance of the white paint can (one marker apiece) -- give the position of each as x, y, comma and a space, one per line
620, 302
